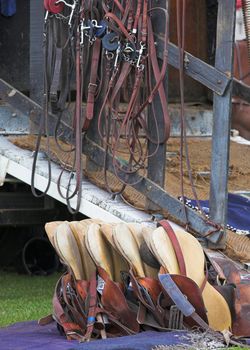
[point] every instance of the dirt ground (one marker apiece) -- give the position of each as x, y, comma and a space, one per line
200, 158
199, 150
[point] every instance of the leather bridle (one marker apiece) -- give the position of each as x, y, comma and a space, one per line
106, 49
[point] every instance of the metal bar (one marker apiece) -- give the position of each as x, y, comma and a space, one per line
155, 194
241, 90
222, 113
211, 77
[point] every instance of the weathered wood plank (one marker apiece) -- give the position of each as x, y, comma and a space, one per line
211, 77
154, 193
222, 113
157, 162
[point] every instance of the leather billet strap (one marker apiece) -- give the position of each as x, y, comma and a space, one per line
43, 126
56, 76
178, 252
84, 313
62, 314
176, 245
149, 291
92, 306
92, 86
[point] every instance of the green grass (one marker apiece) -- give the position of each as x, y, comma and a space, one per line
24, 298
238, 348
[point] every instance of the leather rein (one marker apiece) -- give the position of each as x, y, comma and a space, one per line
105, 51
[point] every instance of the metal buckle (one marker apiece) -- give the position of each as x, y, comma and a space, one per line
92, 87
175, 318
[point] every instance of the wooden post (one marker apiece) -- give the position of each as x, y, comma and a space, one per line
222, 113
157, 163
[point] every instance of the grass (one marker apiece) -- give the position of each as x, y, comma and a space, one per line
24, 298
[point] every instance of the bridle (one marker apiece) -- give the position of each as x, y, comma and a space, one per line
105, 50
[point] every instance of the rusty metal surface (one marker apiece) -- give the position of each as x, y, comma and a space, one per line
196, 44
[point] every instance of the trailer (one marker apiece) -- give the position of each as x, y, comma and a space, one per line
20, 115
67, 160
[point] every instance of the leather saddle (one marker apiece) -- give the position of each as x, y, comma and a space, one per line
125, 278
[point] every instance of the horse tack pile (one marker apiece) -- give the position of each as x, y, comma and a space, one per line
122, 279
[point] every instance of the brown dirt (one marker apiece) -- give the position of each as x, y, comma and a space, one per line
200, 158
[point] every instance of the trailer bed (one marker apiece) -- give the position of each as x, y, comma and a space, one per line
96, 203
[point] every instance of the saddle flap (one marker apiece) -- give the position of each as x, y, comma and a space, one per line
79, 230
241, 326
50, 229
120, 264
99, 249
163, 250
68, 248
127, 246
114, 301
189, 300
137, 232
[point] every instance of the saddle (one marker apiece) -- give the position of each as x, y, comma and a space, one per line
125, 278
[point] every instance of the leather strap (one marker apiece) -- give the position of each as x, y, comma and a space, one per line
92, 87
92, 305
56, 77
176, 245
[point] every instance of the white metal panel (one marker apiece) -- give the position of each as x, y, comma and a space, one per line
4, 162
96, 203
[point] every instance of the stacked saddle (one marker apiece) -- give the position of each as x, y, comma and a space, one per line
125, 278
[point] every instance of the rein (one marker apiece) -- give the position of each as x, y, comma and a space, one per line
105, 51
181, 20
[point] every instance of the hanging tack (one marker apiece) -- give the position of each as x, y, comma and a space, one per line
53, 6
